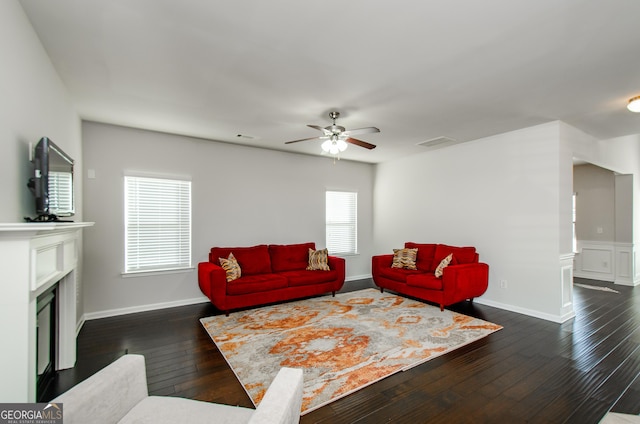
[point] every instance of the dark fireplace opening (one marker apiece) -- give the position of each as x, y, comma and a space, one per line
46, 341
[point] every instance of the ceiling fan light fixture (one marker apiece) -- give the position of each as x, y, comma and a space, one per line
342, 145
634, 104
337, 138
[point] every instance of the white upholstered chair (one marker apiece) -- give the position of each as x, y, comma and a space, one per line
118, 394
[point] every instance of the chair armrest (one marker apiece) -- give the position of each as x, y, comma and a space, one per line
282, 402
108, 395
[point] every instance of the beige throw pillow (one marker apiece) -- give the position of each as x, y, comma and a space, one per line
443, 264
404, 258
231, 266
318, 260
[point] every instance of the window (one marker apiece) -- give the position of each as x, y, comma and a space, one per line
61, 193
157, 224
342, 222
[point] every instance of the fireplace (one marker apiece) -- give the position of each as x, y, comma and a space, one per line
38, 298
46, 341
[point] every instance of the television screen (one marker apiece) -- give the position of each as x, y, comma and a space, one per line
52, 183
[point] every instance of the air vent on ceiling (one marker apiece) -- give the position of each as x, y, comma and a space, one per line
438, 142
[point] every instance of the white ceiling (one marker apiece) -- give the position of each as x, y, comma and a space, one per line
416, 70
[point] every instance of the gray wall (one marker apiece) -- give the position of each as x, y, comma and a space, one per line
242, 196
595, 203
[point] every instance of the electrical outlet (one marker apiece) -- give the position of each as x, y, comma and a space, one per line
503, 284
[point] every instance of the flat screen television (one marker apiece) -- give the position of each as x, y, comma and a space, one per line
52, 182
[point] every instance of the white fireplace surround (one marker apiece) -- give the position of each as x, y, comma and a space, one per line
33, 258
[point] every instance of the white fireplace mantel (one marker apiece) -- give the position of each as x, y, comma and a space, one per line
34, 257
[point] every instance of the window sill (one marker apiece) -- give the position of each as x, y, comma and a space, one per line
344, 255
151, 273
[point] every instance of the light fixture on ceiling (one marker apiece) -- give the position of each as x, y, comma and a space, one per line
634, 104
334, 145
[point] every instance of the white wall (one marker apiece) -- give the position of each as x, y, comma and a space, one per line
500, 194
33, 103
242, 196
621, 155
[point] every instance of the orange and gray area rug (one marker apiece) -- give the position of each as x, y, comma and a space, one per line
342, 343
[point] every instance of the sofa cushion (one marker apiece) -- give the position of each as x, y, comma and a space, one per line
461, 255
424, 259
231, 267
443, 264
318, 260
256, 283
425, 281
305, 278
289, 257
404, 258
166, 409
252, 260
398, 274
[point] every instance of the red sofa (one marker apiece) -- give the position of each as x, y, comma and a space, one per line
269, 273
464, 278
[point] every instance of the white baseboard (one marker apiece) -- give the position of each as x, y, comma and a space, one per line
627, 283
152, 307
79, 325
358, 277
530, 312
143, 308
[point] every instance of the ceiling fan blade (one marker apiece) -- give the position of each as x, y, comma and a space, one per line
360, 143
319, 128
304, 139
366, 130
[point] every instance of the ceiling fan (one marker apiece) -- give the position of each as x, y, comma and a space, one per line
337, 136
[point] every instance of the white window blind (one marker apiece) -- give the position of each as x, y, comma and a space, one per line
60, 193
342, 222
157, 224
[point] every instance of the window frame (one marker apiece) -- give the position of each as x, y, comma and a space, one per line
351, 221
182, 232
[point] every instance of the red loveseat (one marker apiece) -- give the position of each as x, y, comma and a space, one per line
464, 278
269, 273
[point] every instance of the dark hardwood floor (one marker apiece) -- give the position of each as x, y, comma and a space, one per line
531, 371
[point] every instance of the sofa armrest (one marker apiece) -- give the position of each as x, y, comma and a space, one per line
470, 280
108, 395
282, 402
338, 264
379, 262
212, 279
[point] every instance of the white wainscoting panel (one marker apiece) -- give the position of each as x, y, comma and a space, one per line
606, 261
625, 264
566, 281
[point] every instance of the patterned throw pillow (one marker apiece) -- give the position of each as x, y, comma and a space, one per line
443, 264
404, 258
231, 266
318, 260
